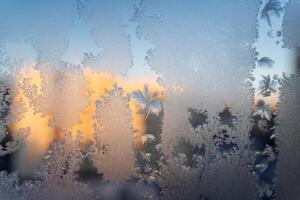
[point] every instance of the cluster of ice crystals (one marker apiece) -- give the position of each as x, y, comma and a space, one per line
113, 154
59, 61
287, 181
197, 52
204, 66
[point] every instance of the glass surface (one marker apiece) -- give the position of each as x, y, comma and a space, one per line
150, 99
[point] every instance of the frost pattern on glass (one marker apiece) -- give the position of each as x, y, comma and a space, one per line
113, 154
229, 173
187, 66
109, 33
47, 34
287, 182
149, 99
58, 173
54, 179
291, 30
68, 87
188, 51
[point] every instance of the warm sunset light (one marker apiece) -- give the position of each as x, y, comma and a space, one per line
42, 133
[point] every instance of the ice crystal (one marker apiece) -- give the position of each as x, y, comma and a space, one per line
147, 102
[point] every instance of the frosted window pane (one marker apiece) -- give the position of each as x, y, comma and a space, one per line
149, 99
